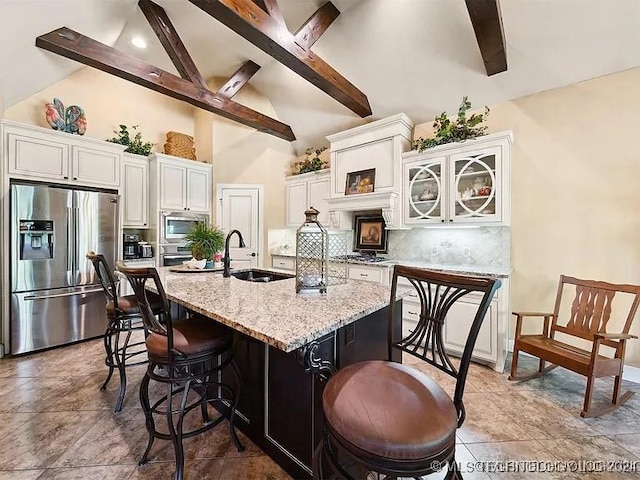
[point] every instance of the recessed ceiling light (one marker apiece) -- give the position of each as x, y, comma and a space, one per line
139, 42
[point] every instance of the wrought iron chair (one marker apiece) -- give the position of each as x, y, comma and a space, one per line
388, 418
186, 355
124, 319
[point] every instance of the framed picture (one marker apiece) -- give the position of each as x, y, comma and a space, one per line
370, 235
360, 182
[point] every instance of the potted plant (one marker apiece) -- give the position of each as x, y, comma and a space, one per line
204, 242
135, 144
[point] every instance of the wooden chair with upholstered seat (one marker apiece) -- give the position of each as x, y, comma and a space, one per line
389, 418
588, 320
186, 355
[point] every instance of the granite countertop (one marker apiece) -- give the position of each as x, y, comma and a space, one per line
272, 312
498, 272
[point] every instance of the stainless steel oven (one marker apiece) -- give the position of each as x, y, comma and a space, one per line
174, 254
175, 225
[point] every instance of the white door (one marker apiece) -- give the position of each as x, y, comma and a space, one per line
241, 209
296, 203
318, 191
135, 182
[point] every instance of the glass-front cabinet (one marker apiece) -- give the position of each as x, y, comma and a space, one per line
475, 184
425, 192
458, 183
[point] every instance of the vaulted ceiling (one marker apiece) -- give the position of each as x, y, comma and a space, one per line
414, 56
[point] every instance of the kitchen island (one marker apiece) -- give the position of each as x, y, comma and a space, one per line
281, 336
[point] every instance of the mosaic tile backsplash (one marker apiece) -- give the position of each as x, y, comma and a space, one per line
478, 246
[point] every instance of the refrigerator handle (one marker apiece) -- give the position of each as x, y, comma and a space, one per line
76, 272
70, 241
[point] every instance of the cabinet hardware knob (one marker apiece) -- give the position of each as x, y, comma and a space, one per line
252, 254
442, 220
412, 313
364, 275
66, 177
75, 178
451, 219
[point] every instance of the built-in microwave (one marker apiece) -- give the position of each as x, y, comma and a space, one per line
174, 226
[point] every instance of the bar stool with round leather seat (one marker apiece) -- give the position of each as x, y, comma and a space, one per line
186, 356
124, 319
392, 419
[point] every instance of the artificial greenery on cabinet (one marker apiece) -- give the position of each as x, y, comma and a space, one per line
134, 144
312, 161
447, 131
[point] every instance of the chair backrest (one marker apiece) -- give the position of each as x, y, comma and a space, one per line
592, 306
438, 292
105, 275
160, 324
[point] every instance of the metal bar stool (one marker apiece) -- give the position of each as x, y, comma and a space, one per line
124, 318
186, 355
391, 419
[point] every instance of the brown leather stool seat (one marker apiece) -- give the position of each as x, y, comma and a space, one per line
191, 337
129, 305
389, 410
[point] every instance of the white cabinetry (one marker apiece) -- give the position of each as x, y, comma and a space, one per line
459, 183
377, 145
135, 191
304, 191
369, 273
491, 344
39, 154
283, 262
182, 184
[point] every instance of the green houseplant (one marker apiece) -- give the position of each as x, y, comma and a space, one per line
461, 129
135, 144
204, 241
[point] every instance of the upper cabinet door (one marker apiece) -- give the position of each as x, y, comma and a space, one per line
476, 187
95, 167
296, 203
135, 192
198, 190
318, 192
37, 157
173, 187
425, 190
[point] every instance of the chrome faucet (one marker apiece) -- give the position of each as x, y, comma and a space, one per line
226, 261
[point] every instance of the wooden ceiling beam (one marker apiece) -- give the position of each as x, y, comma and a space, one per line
316, 25
487, 25
80, 48
273, 9
170, 40
254, 24
239, 79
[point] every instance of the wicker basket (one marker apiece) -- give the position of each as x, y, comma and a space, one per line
180, 145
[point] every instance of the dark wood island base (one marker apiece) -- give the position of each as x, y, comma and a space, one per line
280, 407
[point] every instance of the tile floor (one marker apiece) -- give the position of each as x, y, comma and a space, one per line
56, 424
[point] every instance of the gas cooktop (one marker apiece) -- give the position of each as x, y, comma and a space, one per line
366, 258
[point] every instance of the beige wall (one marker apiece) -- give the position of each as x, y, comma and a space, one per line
109, 101
575, 188
243, 155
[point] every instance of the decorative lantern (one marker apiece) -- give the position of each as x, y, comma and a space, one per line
312, 244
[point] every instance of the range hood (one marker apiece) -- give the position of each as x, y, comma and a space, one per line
377, 145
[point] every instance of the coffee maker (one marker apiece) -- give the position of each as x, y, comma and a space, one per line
130, 246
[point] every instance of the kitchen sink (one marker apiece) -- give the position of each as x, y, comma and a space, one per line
254, 275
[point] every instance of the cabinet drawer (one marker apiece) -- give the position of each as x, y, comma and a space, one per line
283, 263
368, 274
408, 326
410, 311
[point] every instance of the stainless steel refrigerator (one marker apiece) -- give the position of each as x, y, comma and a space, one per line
56, 298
